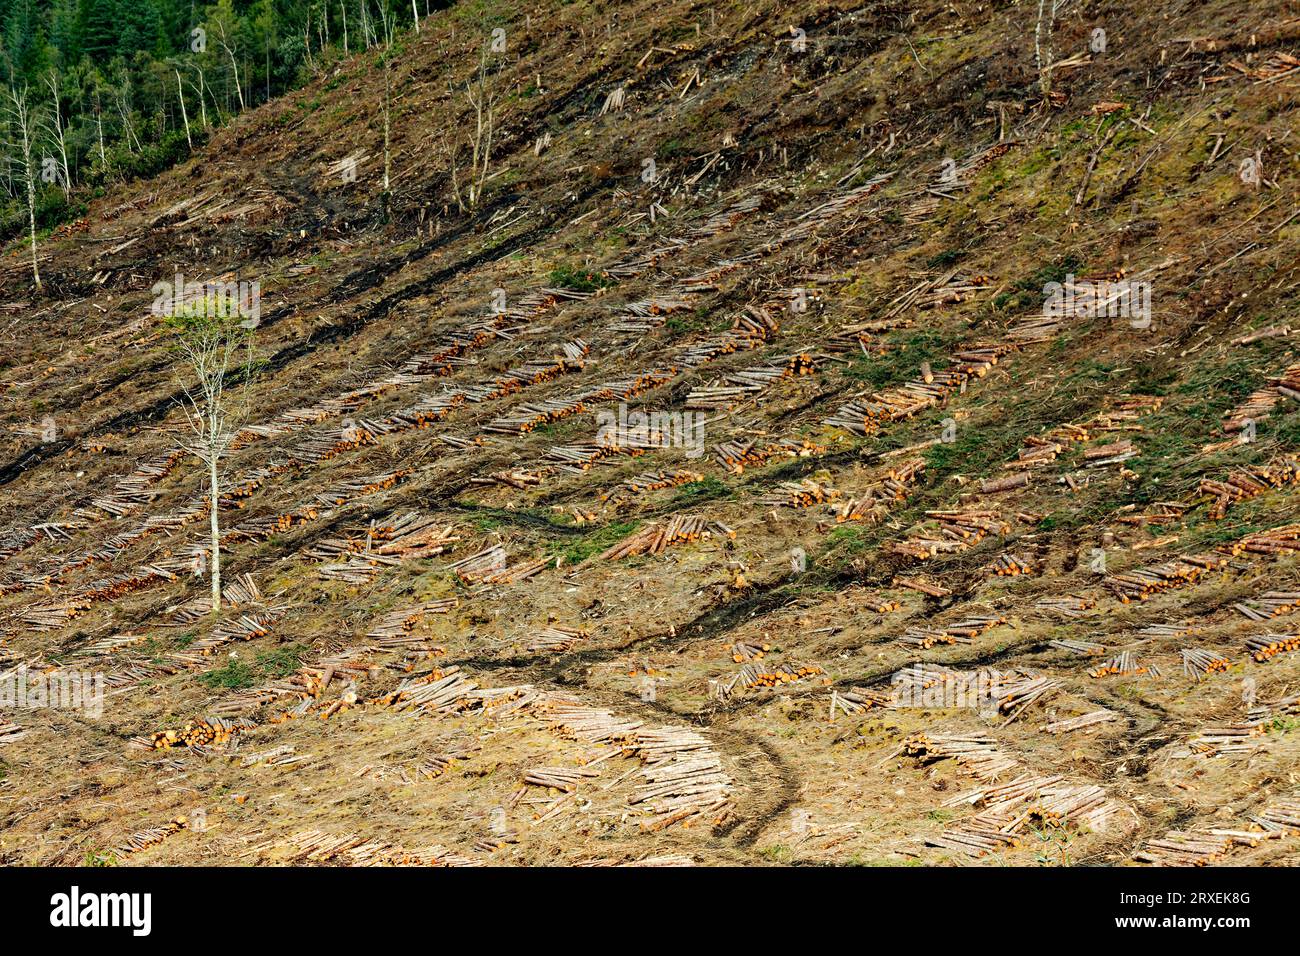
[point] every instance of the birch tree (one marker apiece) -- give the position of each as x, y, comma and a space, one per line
56, 132
482, 100
211, 341
23, 130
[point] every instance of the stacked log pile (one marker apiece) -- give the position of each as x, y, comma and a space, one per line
1048, 801
1250, 482
144, 839
1125, 664
1041, 450
977, 753
809, 223
1016, 693
555, 639
956, 531
1185, 629
366, 550
1264, 647
1269, 605
317, 847
735, 387
346, 491
578, 459
1282, 540
736, 456
742, 651
683, 778
801, 494
857, 700
1198, 662
246, 628
656, 538
1260, 404
1111, 453
925, 587
203, 732
563, 779
645, 315
531, 415
439, 691
1239, 738
260, 529
1279, 819
863, 416
1071, 724
1142, 583
752, 676
1084, 648
403, 620
573, 358
1010, 565
133, 491
649, 481
878, 603
1068, 605
240, 592
872, 506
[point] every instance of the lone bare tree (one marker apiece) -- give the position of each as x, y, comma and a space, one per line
482, 100
211, 340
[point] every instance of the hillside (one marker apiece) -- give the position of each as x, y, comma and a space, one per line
942, 563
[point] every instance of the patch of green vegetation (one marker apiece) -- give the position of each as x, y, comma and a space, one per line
236, 675
1285, 428
577, 279
901, 361
778, 853
102, 858
281, 661
708, 488
594, 542
683, 324
973, 450
1028, 292
949, 257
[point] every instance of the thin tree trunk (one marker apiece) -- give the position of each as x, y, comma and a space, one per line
31, 218
213, 487
99, 121
180, 93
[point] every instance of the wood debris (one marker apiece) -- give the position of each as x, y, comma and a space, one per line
1071, 724
555, 639
656, 538
1269, 605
